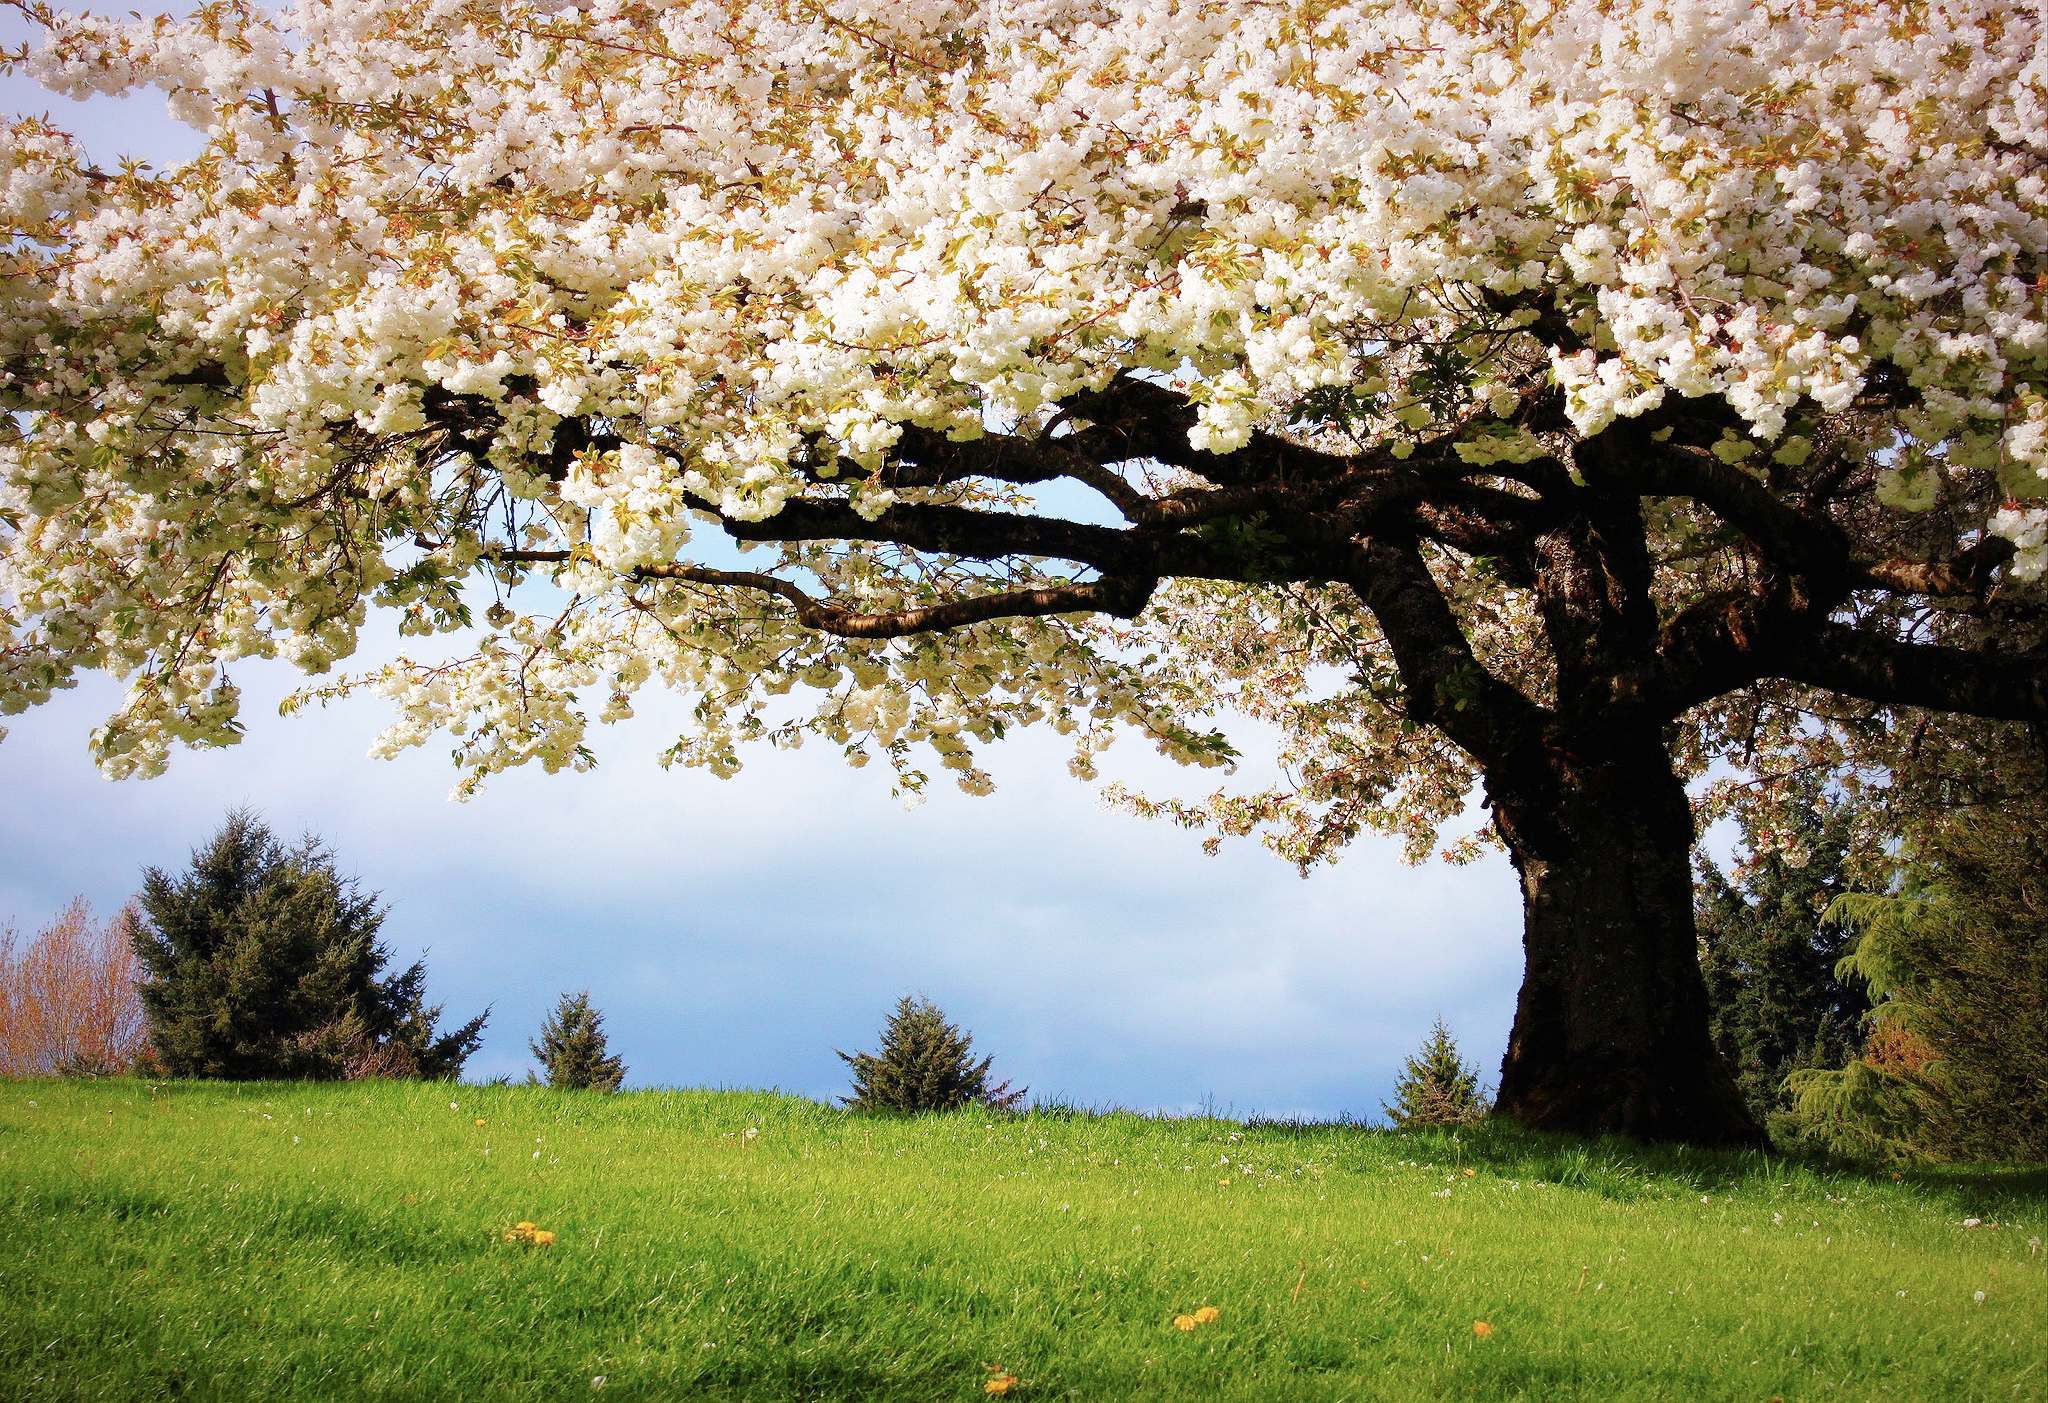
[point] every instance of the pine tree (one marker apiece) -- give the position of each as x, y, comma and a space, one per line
1768, 956
1436, 1087
262, 961
571, 1048
925, 1064
1956, 1066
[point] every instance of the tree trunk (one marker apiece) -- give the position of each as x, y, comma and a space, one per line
1611, 1027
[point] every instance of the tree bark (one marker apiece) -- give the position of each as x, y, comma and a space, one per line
1610, 1031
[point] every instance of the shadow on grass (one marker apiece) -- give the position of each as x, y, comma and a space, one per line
1618, 1168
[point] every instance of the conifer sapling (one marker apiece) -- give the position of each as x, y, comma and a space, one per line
924, 1064
1436, 1087
572, 1051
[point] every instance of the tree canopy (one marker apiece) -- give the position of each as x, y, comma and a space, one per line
1560, 395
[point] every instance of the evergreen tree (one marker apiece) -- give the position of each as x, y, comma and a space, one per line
1777, 1005
571, 1048
925, 1064
1957, 1063
1436, 1087
262, 961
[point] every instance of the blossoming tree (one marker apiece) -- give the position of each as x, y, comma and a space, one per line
1551, 396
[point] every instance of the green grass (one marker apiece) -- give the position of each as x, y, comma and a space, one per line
266, 1242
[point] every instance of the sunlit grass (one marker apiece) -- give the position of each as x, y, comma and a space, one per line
366, 1241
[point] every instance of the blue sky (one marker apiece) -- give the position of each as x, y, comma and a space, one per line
735, 932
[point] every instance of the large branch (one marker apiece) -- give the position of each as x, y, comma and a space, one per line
1445, 683
1859, 663
1119, 595
982, 535
1133, 419
1115, 594
1732, 640
1967, 576
1806, 546
924, 458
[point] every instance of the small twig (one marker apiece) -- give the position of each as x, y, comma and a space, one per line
1302, 1280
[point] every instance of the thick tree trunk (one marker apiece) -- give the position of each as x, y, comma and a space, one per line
1611, 1028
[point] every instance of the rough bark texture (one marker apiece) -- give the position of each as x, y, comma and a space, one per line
1610, 1031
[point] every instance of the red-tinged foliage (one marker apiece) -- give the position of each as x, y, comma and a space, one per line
68, 1003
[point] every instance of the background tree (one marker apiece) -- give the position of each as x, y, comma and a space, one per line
1768, 956
263, 961
68, 1004
1956, 1066
1436, 1087
924, 1064
1555, 402
572, 1051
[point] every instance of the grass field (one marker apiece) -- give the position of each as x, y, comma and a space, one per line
264, 1242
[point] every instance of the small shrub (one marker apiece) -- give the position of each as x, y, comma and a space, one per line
1436, 1087
572, 1051
925, 1064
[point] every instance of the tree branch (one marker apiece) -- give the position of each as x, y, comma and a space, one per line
1967, 576
1842, 658
1122, 596
1446, 684
925, 458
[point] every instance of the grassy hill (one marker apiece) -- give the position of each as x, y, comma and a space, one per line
272, 1241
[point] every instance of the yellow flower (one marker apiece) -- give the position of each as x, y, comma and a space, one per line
1222, 1183
1208, 1315
479, 1120
543, 1238
1481, 1329
1185, 1322
1001, 1383
522, 1227
1469, 1174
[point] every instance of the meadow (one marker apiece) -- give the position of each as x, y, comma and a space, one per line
289, 1241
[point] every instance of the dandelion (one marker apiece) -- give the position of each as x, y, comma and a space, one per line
1471, 1174
1481, 1329
1185, 1323
1222, 1183
1001, 1383
479, 1120
522, 1227
1208, 1315
543, 1238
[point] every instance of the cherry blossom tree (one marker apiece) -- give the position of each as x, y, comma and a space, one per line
1554, 398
